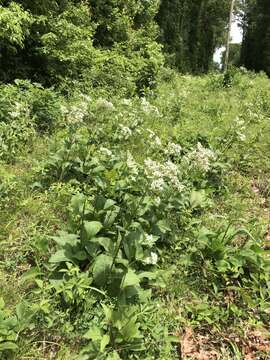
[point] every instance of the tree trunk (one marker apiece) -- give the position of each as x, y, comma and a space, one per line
226, 62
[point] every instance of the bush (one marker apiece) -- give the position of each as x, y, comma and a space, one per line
25, 109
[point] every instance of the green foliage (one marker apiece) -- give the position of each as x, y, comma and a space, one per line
25, 110
15, 26
191, 31
255, 52
131, 221
84, 45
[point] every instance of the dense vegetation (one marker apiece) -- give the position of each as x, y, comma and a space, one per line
134, 201
191, 31
256, 44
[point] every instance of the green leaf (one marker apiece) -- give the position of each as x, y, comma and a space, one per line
147, 275
65, 238
94, 333
108, 204
104, 342
92, 228
130, 279
113, 356
110, 218
8, 345
197, 198
60, 256
101, 269
107, 312
162, 227
130, 330
2, 303
132, 244
77, 203
31, 274
106, 243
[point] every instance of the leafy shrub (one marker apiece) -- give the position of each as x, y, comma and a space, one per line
25, 109
45, 105
14, 24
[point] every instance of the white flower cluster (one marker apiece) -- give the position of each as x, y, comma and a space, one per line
239, 127
201, 157
154, 138
125, 131
173, 149
152, 259
131, 164
76, 112
19, 109
148, 108
105, 151
162, 175
150, 240
126, 102
103, 104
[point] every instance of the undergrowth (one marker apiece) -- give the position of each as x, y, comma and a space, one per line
125, 223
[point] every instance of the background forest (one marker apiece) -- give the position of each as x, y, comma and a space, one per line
134, 180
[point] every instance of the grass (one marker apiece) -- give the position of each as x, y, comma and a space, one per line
199, 310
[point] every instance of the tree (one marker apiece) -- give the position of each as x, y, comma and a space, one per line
255, 52
226, 61
191, 31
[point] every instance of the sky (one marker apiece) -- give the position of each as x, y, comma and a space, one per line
236, 37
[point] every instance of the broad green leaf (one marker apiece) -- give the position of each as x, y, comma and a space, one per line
109, 203
110, 218
8, 345
130, 330
77, 203
130, 279
60, 256
147, 275
197, 198
31, 274
80, 255
101, 269
132, 244
107, 312
113, 356
106, 243
104, 342
65, 238
94, 333
92, 228
163, 226
2, 303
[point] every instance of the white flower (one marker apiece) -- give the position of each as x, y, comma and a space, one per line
14, 114
201, 157
242, 137
64, 109
125, 131
173, 149
156, 140
104, 105
105, 151
152, 259
126, 102
77, 113
150, 240
148, 108
157, 201
131, 164
162, 174
157, 185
